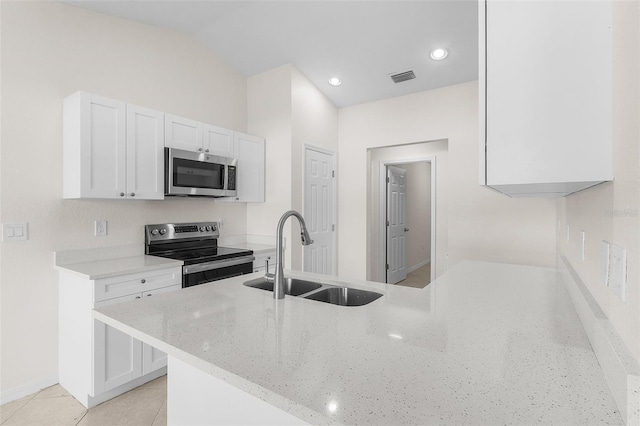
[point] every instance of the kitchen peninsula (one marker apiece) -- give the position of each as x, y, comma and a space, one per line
485, 343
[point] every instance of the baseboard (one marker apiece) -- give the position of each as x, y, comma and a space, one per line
27, 389
418, 266
620, 369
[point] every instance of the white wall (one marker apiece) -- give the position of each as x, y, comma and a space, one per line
50, 50
481, 223
611, 211
418, 213
289, 111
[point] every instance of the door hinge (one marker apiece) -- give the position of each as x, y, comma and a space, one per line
387, 180
333, 173
387, 223
387, 266
333, 227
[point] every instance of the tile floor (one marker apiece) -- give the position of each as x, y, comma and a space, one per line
419, 278
144, 406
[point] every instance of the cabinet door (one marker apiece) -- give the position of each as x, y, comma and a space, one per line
250, 152
217, 141
117, 357
145, 156
95, 147
182, 133
547, 92
152, 358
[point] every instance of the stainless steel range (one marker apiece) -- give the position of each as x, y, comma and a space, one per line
196, 244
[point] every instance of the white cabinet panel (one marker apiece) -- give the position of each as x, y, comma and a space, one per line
260, 259
545, 95
111, 149
217, 141
117, 357
152, 358
250, 152
182, 133
145, 153
94, 158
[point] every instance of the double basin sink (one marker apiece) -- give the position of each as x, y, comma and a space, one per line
343, 296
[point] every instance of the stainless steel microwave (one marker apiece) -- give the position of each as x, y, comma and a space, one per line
196, 174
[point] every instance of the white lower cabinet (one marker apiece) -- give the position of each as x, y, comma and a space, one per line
96, 361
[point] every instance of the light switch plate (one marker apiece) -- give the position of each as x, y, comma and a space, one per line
618, 271
582, 237
604, 263
15, 231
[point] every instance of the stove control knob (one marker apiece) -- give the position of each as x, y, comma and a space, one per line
155, 232
202, 229
214, 228
163, 231
208, 228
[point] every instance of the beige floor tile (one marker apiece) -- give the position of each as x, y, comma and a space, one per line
161, 418
160, 382
55, 411
52, 392
419, 278
136, 407
9, 409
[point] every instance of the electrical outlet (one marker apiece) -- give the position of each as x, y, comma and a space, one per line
582, 236
15, 231
618, 271
604, 263
220, 222
100, 228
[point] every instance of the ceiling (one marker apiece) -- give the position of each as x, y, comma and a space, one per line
361, 42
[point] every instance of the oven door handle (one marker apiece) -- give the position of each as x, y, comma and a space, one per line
216, 264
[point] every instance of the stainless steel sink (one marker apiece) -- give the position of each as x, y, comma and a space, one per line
293, 286
344, 296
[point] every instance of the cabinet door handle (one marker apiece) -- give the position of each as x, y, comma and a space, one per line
149, 294
143, 281
137, 297
133, 194
122, 194
206, 150
200, 149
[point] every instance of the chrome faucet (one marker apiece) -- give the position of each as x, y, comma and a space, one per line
278, 278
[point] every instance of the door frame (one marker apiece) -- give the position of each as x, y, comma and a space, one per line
382, 200
334, 211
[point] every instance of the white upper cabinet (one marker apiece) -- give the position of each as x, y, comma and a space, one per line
545, 96
250, 152
191, 135
217, 141
111, 149
182, 133
145, 153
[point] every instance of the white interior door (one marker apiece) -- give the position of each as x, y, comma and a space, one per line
318, 210
396, 224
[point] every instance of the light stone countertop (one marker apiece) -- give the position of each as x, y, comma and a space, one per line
256, 248
97, 269
484, 344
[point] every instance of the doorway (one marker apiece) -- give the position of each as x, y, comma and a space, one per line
407, 221
319, 210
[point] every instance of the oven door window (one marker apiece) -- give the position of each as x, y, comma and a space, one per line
216, 274
197, 174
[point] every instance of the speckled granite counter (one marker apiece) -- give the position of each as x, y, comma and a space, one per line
97, 269
483, 344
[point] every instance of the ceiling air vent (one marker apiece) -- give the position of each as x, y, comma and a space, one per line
403, 76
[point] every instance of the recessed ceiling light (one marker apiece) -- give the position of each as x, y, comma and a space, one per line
439, 54
335, 81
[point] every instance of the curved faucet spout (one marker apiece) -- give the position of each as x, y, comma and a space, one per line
278, 277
